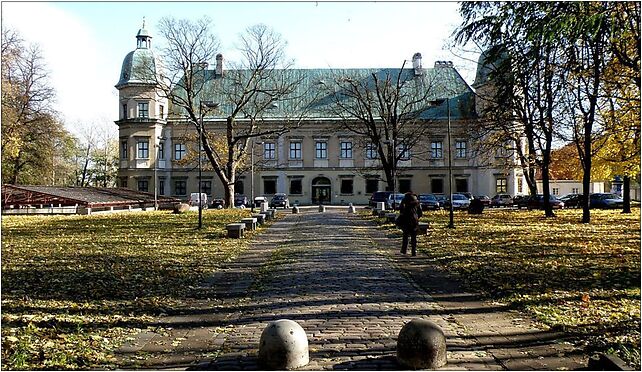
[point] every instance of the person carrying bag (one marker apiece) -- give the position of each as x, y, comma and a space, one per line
408, 221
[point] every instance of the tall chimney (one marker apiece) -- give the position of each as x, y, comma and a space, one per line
416, 64
219, 65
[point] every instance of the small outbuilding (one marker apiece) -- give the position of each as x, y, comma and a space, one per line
77, 200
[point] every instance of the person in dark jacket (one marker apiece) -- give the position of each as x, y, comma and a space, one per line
408, 221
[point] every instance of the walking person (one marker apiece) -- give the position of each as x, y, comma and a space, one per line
408, 221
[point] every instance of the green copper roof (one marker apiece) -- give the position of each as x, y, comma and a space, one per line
444, 81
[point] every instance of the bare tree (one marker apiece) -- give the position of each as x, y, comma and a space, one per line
384, 108
262, 96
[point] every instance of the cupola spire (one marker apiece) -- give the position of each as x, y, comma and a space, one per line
143, 38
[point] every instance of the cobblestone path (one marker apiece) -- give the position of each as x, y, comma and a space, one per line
338, 277
334, 280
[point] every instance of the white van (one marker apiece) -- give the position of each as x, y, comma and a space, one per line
193, 199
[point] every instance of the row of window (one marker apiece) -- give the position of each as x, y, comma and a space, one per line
269, 150
296, 186
143, 110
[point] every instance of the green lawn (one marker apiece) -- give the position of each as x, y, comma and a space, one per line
75, 287
582, 278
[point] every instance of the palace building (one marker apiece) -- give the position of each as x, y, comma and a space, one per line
317, 162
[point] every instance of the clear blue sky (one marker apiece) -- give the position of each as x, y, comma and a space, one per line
84, 43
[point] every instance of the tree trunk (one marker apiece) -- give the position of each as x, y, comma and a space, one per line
626, 194
548, 210
229, 195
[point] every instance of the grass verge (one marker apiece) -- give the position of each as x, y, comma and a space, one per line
75, 287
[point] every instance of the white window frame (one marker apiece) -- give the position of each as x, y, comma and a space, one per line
345, 150
296, 149
437, 146
269, 150
321, 150
461, 150
142, 149
180, 148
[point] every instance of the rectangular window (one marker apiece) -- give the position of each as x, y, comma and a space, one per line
436, 149
520, 185
269, 150
123, 182
347, 186
321, 150
143, 149
179, 151
143, 185
180, 187
461, 185
460, 149
372, 185
437, 185
269, 186
295, 150
124, 111
206, 187
161, 111
296, 187
405, 185
239, 187
161, 186
404, 152
371, 151
575, 190
346, 150
123, 150
501, 185
161, 150
556, 191
143, 109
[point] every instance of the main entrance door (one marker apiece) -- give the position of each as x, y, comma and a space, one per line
321, 190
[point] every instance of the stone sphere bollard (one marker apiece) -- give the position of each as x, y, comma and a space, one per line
321, 208
181, 208
295, 209
283, 345
421, 344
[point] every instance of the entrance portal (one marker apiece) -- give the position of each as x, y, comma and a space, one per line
321, 190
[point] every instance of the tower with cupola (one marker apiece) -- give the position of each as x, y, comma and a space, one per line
142, 118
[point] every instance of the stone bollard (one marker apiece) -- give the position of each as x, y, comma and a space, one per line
421, 345
351, 209
260, 218
264, 207
235, 230
381, 205
322, 208
250, 223
283, 345
423, 228
295, 209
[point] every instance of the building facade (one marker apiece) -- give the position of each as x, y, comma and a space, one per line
317, 162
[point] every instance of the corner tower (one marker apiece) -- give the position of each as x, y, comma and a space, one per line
142, 114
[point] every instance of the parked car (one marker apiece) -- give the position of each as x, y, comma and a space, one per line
537, 202
218, 203
521, 201
469, 195
428, 202
572, 200
460, 201
240, 201
605, 201
441, 199
501, 200
378, 197
280, 200
484, 199
394, 203
193, 199
259, 200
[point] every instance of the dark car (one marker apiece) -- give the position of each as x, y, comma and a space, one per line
521, 201
537, 202
605, 201
240, 201
572, 200
280, 200
218, 203
428, 202
485, 200
378, 197
441, 199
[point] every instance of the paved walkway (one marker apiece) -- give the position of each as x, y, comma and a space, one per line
338, 276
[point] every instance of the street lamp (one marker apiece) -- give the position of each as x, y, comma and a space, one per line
157, 146
394, 170
209, 105
451, 223
252, 172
